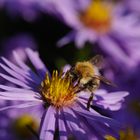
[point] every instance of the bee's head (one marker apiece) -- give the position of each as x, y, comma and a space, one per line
75, 76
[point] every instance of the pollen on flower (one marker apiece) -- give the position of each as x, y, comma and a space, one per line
58, 90
97, 16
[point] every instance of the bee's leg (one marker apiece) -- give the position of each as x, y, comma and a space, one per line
89, 101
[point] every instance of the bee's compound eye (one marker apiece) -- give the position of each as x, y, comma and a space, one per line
74, 76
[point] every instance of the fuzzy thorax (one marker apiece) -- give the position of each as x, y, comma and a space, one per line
85, 69
58, 90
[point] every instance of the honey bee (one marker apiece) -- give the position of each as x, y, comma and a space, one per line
87, 77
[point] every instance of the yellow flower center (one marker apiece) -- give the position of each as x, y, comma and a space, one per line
127, 134
97, 16
24, 126
108, 137
59, 90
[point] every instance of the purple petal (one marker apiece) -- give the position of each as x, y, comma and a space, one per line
101, 92
39, 66
62, 127
95, 116
91, 133
133, 5
15, 81
20, 62
83, 4
13, 73
111, 125
14, 89
47, 129
102, 128
73, 124
68, 38
102, 98
18, 106
127, 25
113, 49
23, 65
13, 66
27, 74
68, 12
66, 68
85, 35
113, 107
112, 98
22, 96
112, 101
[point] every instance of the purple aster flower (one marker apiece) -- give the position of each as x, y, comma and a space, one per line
130, 81
18, 43
116, 34
17, 124
65, 110
27, 8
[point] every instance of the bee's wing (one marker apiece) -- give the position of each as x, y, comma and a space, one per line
105, 80
97, 60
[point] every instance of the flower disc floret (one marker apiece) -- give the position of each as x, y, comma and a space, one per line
58, 90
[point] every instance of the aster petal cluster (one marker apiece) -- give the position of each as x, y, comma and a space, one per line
17, 124
18, 42
65, 111
28, 9
105, 24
